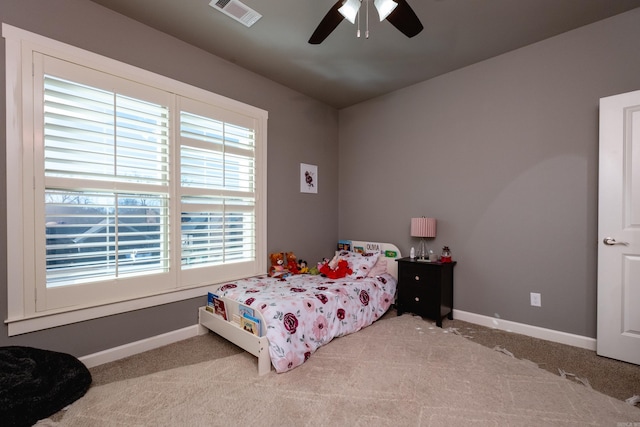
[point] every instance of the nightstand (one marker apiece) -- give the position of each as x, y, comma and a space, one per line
425, 289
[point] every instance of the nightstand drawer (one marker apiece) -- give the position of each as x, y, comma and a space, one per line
417, 276
416, 299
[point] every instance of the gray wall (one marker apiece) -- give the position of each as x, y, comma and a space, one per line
301, 130
504, 154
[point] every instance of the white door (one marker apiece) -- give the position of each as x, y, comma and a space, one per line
619, 228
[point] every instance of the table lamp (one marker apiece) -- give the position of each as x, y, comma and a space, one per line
423, 227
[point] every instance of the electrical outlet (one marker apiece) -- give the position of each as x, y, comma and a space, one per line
536, 299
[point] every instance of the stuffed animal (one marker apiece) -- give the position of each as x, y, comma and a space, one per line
292, 263
277, 268
336, 268
333, 264
302, 267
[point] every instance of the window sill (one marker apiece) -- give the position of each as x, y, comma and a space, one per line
18, 326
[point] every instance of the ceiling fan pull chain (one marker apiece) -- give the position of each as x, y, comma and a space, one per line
366, 32
358, 24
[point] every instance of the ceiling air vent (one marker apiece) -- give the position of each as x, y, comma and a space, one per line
236, 10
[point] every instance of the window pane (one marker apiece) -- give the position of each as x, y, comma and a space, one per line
216, 155
239, 233
142, 140
90, 133
202, 238
239, 173
240, 137
201, 168
218, 237
78, 129
95, 236
201, 128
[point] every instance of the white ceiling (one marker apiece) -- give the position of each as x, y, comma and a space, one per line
345, 70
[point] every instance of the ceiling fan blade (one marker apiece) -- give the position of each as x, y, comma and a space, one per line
328, 24
405, 19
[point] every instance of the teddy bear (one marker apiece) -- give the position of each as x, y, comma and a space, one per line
277, 267
292, 263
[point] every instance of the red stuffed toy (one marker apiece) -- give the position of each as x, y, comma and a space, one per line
335, 269
292, 263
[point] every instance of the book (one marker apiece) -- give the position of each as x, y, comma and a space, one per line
211, 297
216, 305
344, 245
219, 308
250, 324
243, 309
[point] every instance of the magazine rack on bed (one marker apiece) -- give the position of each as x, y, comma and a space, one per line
259, 345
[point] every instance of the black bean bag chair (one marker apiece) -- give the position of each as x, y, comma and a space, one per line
35, 384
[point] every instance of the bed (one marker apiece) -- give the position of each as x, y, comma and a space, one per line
300, 313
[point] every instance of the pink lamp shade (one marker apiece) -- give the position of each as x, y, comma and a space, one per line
423, 227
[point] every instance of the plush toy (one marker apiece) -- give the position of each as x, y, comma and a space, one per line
292, 263
277, 268
302, 267
336, 268
333, 264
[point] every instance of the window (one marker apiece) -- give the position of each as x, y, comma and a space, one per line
134, 189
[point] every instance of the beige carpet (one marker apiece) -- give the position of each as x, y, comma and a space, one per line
401, 371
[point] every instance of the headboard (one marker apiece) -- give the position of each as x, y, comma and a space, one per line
390, 251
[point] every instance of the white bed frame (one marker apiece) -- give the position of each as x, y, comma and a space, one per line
259, 345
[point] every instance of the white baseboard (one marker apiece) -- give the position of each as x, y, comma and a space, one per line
151, 343
133, 348
529, 330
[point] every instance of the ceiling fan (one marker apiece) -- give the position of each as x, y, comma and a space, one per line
397, 12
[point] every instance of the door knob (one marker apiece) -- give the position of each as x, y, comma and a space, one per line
610, 241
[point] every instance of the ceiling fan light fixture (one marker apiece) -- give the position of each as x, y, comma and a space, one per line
384, 7
350, 10
398, 13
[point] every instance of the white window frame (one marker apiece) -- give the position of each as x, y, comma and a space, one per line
21, 287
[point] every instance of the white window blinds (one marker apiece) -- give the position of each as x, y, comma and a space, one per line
126, 189
93, 136
218, 190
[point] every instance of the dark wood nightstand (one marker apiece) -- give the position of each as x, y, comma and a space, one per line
425, 289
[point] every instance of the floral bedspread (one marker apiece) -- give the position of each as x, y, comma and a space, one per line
304, 312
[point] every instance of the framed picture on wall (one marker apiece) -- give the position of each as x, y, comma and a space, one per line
308, 178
